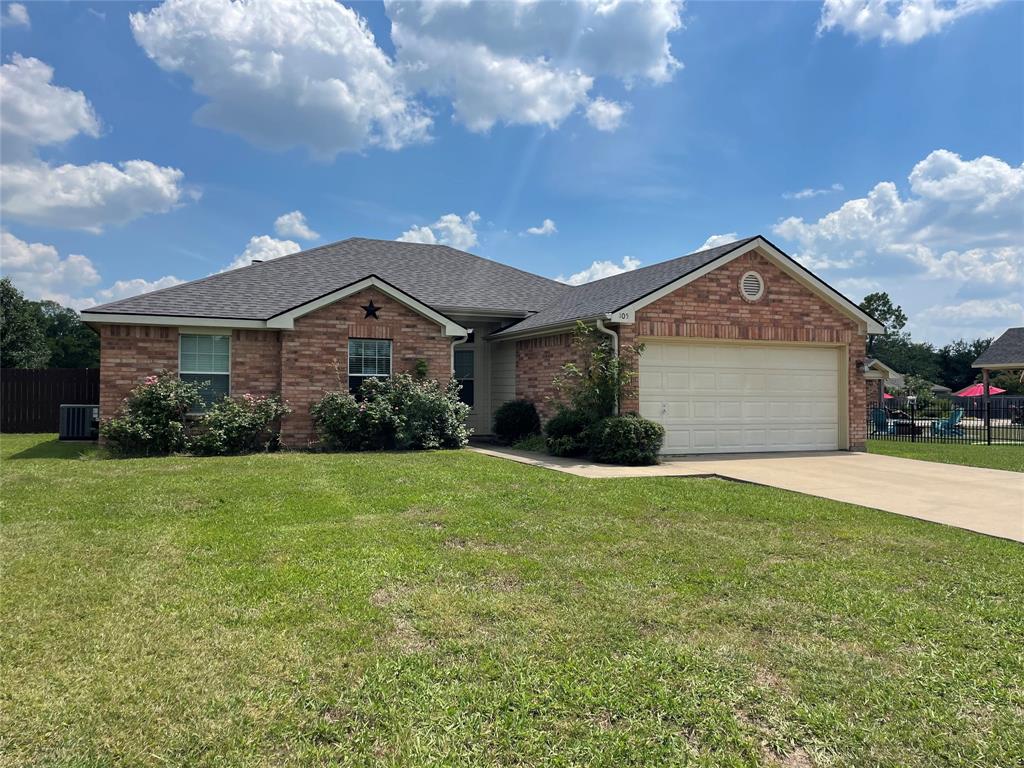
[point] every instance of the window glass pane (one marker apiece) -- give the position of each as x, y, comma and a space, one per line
463, 364
369, 357
214, 386
466, 393
202, 353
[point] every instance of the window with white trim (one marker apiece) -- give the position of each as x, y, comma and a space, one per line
367, 359
206, 358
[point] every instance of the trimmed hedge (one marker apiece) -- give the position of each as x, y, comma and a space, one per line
515, 420
627, 439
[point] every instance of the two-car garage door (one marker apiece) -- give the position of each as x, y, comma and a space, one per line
740, 398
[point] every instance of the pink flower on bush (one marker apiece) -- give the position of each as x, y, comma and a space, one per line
151, 380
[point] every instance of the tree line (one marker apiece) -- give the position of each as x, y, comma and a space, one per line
43, 334
949, 365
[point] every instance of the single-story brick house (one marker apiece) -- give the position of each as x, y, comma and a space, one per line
745, 350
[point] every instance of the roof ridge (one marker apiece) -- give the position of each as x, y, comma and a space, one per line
730, 245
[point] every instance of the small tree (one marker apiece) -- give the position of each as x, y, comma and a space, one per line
595, 386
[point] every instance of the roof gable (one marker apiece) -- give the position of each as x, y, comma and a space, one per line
618, 298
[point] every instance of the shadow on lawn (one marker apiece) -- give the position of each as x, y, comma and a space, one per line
56, 449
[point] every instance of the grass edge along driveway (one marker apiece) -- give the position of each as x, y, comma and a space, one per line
446, 608
1009, 457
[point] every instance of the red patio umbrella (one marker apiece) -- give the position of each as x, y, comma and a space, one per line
978, 390
887, 396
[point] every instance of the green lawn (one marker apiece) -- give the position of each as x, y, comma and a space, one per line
1009, 457
454, 609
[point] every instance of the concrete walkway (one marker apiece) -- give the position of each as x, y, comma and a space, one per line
985, 500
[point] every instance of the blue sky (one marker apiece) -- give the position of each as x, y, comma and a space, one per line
882, 148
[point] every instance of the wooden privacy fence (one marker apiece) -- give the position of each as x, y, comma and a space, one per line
30, 399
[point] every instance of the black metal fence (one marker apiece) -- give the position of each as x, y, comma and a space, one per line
948, 421
30, 399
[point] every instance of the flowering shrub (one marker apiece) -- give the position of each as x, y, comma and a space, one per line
244, 424
398, 412
151, 421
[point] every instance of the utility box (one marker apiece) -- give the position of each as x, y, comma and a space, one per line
79, 422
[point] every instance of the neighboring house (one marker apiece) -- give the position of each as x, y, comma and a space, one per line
745, 350
1004, 354
878, 376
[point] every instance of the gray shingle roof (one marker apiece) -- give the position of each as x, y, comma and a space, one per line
1008, 349
611, 293
437, 275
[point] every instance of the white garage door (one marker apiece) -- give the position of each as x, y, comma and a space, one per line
738, 398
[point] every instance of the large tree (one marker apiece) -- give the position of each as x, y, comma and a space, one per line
881, 307
955, 360
22, 341
72, 343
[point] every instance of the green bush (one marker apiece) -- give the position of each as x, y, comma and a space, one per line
398, 412
567, 433
151, 421
515, 420
246, 424
626, 440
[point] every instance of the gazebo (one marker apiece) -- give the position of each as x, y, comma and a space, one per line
1004, 354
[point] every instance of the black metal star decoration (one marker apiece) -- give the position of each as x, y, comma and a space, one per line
371, 311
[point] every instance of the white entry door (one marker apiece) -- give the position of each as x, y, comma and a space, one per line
741, 398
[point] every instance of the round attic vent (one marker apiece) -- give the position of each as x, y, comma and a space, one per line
752, 286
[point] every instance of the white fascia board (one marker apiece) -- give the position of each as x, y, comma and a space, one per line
627, 314
286, 320
171, 320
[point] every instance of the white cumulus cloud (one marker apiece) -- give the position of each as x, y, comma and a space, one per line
528, 62
451, 229
716, 240
902, 21
38, 270
16, 15
606, 115
263, 248
38, 113
294, 225
962, 217
599, 270
547, 227
284, 74
88, 197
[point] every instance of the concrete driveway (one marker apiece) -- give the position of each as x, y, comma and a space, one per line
985, 500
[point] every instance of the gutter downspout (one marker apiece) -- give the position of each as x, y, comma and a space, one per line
599, 323
456, 340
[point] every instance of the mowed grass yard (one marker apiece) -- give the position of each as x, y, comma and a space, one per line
1010, 457
453, 609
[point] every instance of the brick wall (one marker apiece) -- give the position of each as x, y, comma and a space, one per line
711, 307
128, 354
538, 361
300, 364
255, 362
314, 352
